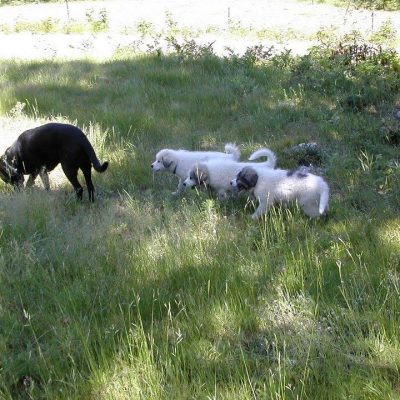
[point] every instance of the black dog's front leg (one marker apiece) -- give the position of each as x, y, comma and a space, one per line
31, 180
19, 182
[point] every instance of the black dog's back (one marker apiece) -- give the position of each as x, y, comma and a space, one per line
45, 146
48, 145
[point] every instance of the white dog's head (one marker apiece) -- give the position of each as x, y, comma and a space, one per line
246, 179
164, 160
198, 176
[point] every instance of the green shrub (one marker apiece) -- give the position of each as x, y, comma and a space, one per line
386, 34
98, 21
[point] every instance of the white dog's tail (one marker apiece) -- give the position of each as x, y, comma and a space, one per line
264, 152
231, 148
324, 198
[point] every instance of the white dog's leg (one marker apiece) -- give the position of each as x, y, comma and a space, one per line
262, 208
310, 208
45, 178
180, 188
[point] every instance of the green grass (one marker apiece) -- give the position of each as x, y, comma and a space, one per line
146, 295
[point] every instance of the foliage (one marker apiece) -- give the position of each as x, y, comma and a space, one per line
98, 20
378, 4
385, 34
368, 73
366, 4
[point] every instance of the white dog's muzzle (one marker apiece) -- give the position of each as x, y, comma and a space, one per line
157, 166
189, 183
234, 185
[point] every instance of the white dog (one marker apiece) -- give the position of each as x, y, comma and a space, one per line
218, 173
271, 186
179, 162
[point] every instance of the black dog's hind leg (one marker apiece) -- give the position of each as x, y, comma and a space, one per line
72, 174
87, 173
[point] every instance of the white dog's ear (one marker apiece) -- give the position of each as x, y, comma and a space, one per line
166, 159
247, 178
166, 162
202, 175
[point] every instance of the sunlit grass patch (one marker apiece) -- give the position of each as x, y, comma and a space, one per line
134, 373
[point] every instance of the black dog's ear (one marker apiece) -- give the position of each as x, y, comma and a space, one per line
250, 176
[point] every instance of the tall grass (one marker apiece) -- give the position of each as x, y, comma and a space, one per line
147, 295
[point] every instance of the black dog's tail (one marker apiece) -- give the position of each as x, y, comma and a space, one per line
100, 167
93, 158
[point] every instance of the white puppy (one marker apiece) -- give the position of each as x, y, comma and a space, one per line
179, 162
280, 186
218, 173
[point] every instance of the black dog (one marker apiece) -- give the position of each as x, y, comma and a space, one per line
39, 150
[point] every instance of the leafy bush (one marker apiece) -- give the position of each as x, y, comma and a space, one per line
98, 21
378, 4
386, 33
366, 4
363, 72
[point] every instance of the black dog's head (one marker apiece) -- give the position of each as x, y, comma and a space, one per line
9, 173
246, 179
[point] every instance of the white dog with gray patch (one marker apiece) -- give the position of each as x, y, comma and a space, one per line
218, 173
281, 186
179, 162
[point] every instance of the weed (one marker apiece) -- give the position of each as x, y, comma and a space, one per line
98, 20
386, 34
145, 28
73, 27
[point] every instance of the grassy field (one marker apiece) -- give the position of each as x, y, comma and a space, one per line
143, 295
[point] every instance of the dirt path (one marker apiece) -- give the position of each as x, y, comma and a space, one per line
124, 15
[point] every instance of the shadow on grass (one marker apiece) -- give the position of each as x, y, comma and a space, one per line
79, 281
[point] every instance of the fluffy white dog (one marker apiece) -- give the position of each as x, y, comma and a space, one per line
271, 186
218, 173
179, 162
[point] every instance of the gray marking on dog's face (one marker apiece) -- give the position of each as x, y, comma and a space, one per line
246, 179
193, 179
